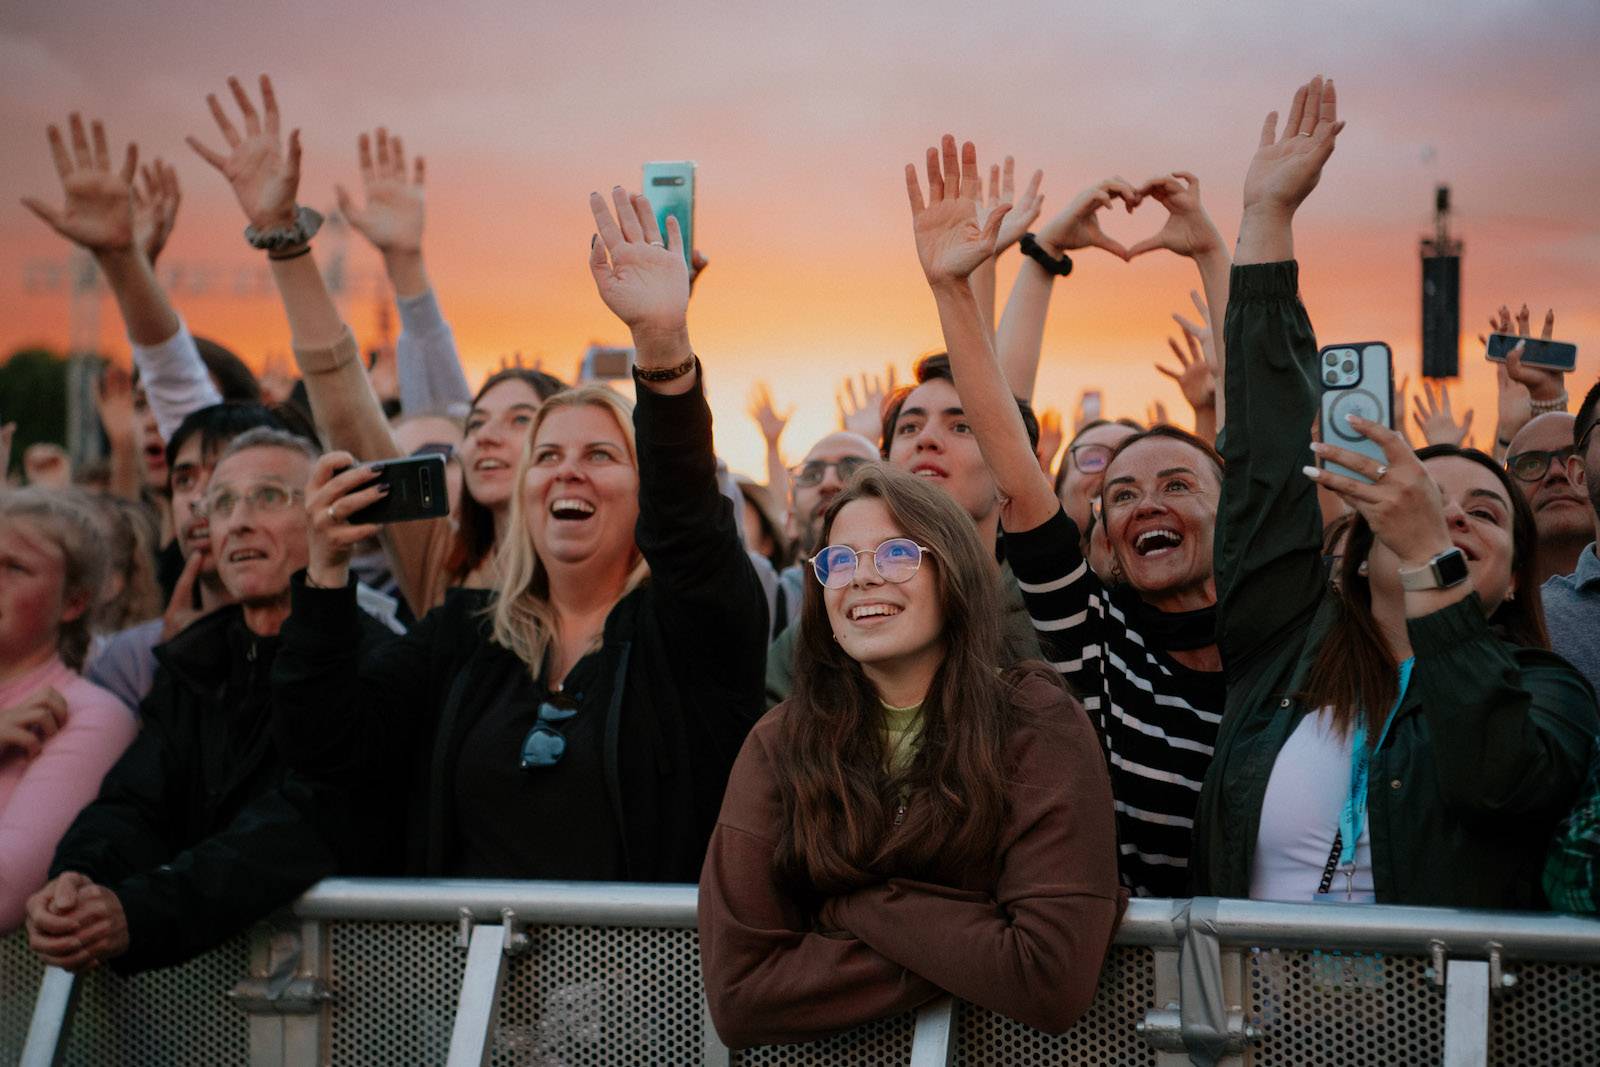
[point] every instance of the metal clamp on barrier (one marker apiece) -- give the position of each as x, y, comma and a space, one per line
1202, 1022
1469, 988
488, 948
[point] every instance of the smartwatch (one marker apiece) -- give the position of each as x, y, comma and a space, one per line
1446, 569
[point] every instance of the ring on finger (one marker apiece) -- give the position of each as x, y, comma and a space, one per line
1383, 468
333, 516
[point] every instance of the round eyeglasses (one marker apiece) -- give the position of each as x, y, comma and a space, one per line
1090, 459
1531, 466
896, 560
811, 473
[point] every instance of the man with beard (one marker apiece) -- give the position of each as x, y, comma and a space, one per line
1572, 600
1538, 459
816, 481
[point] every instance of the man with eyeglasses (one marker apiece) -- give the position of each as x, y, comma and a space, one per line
814, 482
1537, 460
199, 829
1572, 597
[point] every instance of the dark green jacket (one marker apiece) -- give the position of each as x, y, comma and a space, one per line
1490, 746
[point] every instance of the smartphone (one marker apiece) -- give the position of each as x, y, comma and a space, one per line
670, 189
1556, 355
1091, 405
1357, 379
603, 364
417, 490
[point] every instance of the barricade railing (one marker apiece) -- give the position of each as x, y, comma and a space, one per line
580, 974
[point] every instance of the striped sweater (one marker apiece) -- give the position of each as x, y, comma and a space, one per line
1157, 718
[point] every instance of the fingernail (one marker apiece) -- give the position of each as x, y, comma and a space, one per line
1318, 447
1352, 418
593, 237
1311, 472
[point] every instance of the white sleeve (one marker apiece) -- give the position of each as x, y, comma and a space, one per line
175, 379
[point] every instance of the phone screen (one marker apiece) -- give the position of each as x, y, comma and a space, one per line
1091, 405
1557, 355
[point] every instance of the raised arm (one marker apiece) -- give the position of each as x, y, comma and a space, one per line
1269, 568
953, 239
1021, 334
105, 215
772, 425
431, 378
264, 172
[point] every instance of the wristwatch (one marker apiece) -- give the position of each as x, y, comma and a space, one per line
1059, 267
1446, 569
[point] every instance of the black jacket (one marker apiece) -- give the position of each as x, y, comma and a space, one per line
681, 662
198, 829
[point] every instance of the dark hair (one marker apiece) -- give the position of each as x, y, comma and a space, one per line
474, 538
1586, 414
926, 370
836, 793
1092, 424
759, 497
235, 381
1353, 672
1174, 433
217, 425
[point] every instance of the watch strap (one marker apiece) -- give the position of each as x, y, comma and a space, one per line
1448, 568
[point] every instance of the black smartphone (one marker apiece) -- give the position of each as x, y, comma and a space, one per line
417, 490
1556, 355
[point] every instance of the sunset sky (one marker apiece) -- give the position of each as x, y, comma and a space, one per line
800, 117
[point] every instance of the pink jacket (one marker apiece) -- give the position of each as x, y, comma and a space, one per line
40, 797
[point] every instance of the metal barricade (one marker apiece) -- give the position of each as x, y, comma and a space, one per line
586, 974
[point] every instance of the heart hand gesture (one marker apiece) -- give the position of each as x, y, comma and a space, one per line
265, 177
1079, 226
1285, 169
953, 237
98, 213
1188, 231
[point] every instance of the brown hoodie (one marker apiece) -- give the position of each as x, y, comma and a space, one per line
1025, 938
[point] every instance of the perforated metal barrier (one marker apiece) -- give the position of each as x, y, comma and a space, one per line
377, 973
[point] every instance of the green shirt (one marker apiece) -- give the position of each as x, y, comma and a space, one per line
901, 729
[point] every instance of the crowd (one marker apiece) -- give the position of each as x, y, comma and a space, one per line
1012, 679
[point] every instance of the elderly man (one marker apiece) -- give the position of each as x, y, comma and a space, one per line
1572, 597
1537, 459
199, 830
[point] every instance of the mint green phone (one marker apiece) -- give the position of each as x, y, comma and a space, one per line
670, 189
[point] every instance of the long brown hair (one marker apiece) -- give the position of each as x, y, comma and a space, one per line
1353, 672
838, 794
474, 534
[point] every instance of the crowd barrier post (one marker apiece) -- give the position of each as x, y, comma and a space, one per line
52, 1014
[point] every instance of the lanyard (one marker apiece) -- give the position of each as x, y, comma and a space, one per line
1353, 817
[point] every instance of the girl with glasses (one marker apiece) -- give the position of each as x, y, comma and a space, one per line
577, 721
1139, 650
912, 820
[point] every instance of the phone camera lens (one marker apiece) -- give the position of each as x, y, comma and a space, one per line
1349, 366
1333, 357
1332, 377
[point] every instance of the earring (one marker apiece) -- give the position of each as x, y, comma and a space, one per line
1361, 568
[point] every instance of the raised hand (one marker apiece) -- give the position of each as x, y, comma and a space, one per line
47, 465
1193, 374
1079, 225
336, 490
1155, 414
180, 611
392, 217
1544, 384
1200, 331
265, 174
1188, 230
642, 279
98, 212
954, 236
1050, 439
155, 208
766, 416
1286, 168
1435, 420
1023, 212
1401, 503
864, 414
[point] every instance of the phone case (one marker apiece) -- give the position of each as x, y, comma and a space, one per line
1536, 352
1356, 379
670, 189
417, 490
